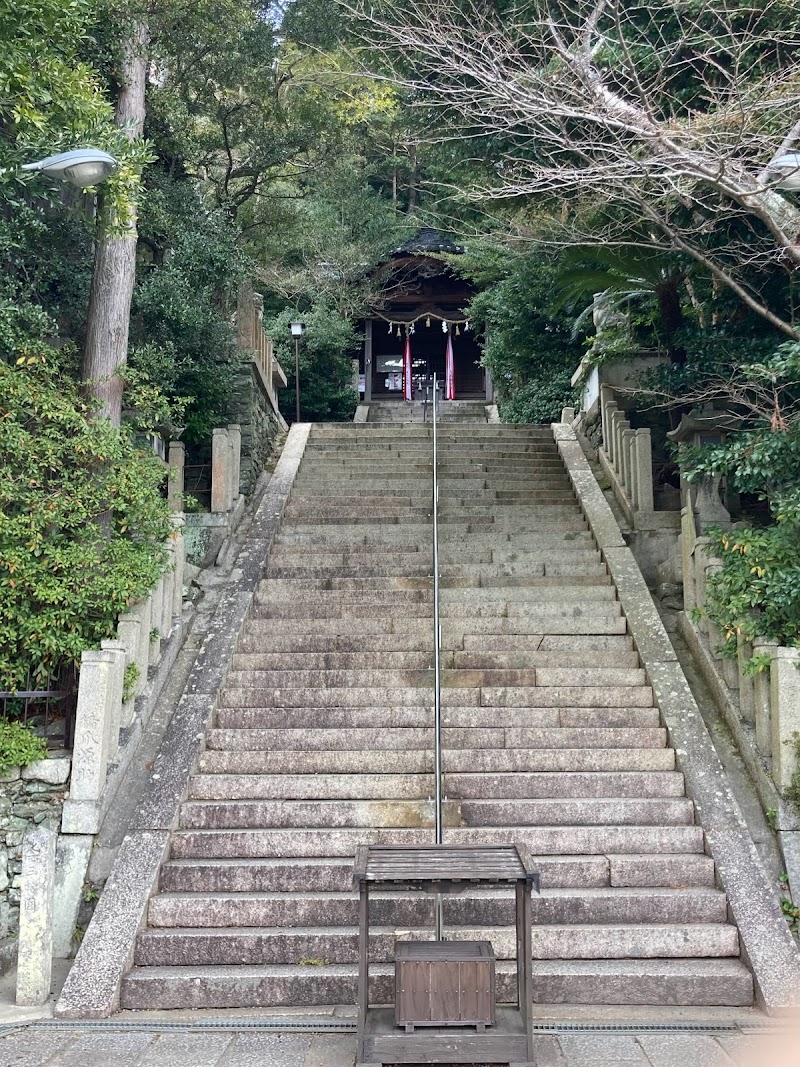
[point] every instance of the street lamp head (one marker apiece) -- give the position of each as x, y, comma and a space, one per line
82, 167
785, 171
297, 328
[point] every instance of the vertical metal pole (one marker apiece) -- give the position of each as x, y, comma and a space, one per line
437, 666
297, 379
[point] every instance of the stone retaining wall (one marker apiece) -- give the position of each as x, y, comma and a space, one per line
30, 796
251, 407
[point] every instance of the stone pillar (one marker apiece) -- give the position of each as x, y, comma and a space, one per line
607, 405
128, 635
168, 594
35, 959
367, 361
615, 418
687, 559
700, 563
235, 438
568, 415
177, 464
180, 565
627, 461
713, 631
763, 647
115, 700
785, 707
98, 686
72, 862
643, 466
156, 599
747, 703
220, 471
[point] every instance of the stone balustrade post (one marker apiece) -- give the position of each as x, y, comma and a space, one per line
700, 563
235, 438
785, 714
687, 559
714, 633
221, 491
643, 467
180, 565
36, 906
98, 688
617, 419
612, 449
114, 719
177, 467
627, 461
168, 594
607, 405
747, 700
567, 416
762, 646
156, 599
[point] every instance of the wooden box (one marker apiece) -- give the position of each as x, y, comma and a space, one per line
444, 983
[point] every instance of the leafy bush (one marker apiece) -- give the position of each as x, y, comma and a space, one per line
757, 591
326, 370
82, 524
529, 348
19, 746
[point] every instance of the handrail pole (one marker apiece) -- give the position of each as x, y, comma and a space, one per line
437, 680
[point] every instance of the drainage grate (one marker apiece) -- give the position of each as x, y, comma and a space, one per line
322, 1025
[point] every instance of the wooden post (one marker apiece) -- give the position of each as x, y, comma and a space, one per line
363, 966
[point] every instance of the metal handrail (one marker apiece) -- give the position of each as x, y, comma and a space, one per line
437, 665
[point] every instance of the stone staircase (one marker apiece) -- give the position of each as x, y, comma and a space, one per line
323, 740
403, 412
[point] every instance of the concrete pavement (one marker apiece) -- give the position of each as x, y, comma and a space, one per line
40, 1045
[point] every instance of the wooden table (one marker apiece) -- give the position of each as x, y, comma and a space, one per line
446, 869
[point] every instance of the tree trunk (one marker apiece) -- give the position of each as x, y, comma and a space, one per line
115, 253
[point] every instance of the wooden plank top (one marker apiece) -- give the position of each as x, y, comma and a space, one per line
425, 866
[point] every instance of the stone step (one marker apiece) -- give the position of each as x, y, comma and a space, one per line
538, 677
388, 718
422, 660
282, 643
420, 761
405, 786
335, 874
495, 627
251, 946
385, 738
487, 697
541, 840
571, 812
710, 982
477, 908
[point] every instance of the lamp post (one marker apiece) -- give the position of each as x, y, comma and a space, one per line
82, 167
297, 332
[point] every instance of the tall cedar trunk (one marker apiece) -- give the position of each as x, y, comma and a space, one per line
115, 253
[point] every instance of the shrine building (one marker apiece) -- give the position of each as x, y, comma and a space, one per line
422, 299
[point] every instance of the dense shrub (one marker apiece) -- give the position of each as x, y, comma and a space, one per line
82, 524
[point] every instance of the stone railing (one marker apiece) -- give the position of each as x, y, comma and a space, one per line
767, 702
252, 338
105, 709
761, 708
626, 458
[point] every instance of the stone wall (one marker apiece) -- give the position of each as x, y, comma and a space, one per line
251, 407
29, 796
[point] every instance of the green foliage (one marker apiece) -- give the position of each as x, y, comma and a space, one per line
757, 591
130, 678
19, 746
326, 371
82, 524
529, 349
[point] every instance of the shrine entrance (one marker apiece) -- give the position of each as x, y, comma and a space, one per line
423, 301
